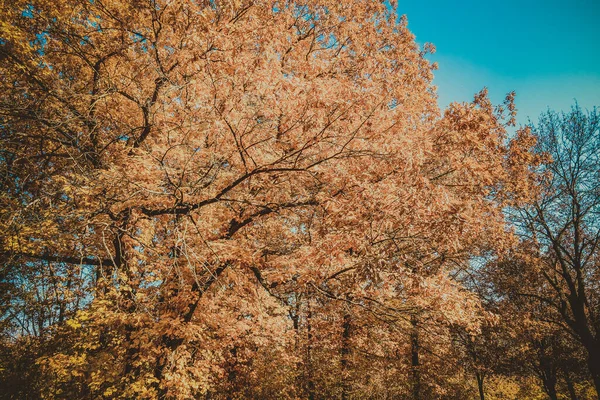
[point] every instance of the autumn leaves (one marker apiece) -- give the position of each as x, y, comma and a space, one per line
245, 199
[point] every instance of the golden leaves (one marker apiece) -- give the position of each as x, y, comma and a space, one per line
180, 147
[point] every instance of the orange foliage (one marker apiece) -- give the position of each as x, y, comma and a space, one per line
205, 168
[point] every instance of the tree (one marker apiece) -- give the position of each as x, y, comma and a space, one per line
162, 160
557, 262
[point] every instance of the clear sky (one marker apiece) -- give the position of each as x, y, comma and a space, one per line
547, 51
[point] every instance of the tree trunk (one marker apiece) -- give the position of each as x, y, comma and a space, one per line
552, 393
589, 341
232, 373
310, 385
416, 373
594, 366
570, 387
480, 378
295, 316
345, 352
549, 382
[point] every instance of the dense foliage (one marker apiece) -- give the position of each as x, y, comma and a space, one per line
262, 199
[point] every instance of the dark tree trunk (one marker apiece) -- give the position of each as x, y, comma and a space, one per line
232, 373
415, 366
552, 393
594, 366
591, 343
570, 387
549, 382
345, 352
310, 384
480, 378
294, 314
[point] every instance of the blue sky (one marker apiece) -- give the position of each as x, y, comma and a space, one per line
547, 51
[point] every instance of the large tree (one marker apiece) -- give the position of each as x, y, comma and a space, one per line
158, 157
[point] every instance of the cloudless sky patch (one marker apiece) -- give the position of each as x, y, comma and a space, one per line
547, 51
